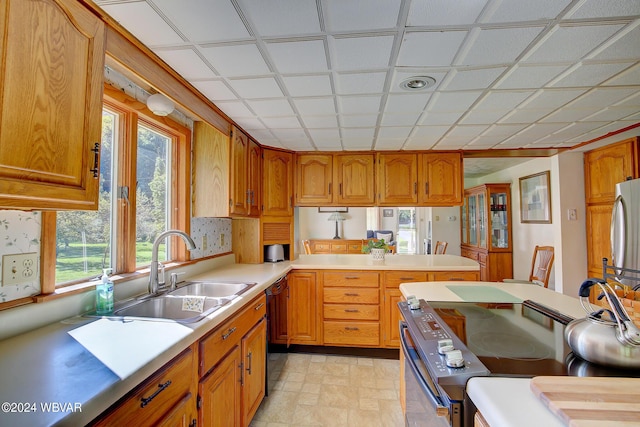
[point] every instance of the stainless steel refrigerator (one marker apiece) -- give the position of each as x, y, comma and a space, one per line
625, 231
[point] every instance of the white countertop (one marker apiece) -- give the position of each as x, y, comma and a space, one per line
391, 262
504, 402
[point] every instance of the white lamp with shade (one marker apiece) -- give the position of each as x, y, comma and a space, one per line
337, 217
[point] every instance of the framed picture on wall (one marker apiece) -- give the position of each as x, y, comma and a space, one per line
330, 209
387, 213
535, 199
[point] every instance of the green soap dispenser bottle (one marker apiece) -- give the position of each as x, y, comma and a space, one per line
104, 294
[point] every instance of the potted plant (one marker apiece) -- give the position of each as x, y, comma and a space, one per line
377, 249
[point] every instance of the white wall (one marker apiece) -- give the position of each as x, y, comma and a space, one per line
315, 225
567, 237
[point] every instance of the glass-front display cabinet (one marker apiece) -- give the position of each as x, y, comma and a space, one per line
486, 230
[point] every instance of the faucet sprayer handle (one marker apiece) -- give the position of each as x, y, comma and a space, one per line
174, 279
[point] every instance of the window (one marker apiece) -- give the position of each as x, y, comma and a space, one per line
144, 188
407, 231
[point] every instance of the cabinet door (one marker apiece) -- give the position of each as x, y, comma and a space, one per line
211, 171
397, 179
598, 237
278, 318
391, 317
51, 85
181, 415
605, 167
303, 315
220, 393
314, 174
277, 193
354, 176
239, 186
255, 178
254, 356
441, 179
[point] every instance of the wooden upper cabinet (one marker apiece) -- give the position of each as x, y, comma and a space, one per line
441, 179
239, 190
354, 176
255, 178
397, 179
314, 179
277, 189
51, 121
211, 174
605, 167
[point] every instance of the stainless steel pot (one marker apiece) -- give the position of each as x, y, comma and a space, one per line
612, 341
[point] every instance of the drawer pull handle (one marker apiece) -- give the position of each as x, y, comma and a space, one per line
351, 310
350, 328
457, 279
351, 277
146, 400
346, 294
225, 336
407, 278
259, 306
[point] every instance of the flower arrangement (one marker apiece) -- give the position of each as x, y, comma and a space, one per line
375, 244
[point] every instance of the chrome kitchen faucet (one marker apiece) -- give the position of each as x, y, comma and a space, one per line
153, 267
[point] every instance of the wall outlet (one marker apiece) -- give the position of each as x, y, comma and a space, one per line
221, 239
19, 268
204, 243
572, 214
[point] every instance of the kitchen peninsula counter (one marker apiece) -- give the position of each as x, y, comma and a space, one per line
390, 262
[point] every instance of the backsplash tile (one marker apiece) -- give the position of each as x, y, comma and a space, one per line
211, 229
19, 234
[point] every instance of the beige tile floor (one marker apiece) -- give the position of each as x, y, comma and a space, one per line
330, 391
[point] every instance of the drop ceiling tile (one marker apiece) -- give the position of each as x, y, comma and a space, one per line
215, 90
358, 144
236, 60
436, 118
453, 101
525, 77
603, 97
576, 129
404, 119
502, 131
325, 135
401, 74
570, 43
604, 8
361, 53
271, 108
587, 75
288, 122
358, 15
265, 87
551, 98
389, 143
251, 124
447, 143
205, 20
315, 106
570, 114
358, 104
357, 133
429, 48
360, 83
514, 11
235, 109
297, 145
466, 131
520, 115
410, 103
328, 145
187, 63
479, 116
512, 41
319, 122
625, 47
482, 142
290, 134
144, 23
631, 101
299, 56
308, 85
630, 76
418, 143
503, 100
400, 132
435, 12
282, 17
430, 132
472, 79
261, 135
359, 120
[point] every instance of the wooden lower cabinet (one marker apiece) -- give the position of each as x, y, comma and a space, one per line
254, 354
220, 393
165, 398
391, 333
479, 421
302, 312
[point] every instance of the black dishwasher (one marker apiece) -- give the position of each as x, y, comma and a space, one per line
277, 298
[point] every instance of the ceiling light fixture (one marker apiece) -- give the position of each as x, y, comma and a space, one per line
160, 105
416, 83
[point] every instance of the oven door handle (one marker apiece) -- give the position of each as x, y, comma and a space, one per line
441, 409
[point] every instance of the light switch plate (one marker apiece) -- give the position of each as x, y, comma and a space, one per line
19, 268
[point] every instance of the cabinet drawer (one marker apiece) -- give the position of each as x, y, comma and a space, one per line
351, 311
354, 248
338, 248
351, 279
321, 248
442, 276
469, 254
352, 333
155, 397
218, 343
392, 279
354, 296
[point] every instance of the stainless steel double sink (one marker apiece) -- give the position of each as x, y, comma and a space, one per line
187, 304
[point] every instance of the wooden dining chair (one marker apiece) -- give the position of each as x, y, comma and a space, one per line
540, 267
441, 247
307, 247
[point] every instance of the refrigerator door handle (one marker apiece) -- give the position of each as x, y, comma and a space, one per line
618, 248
